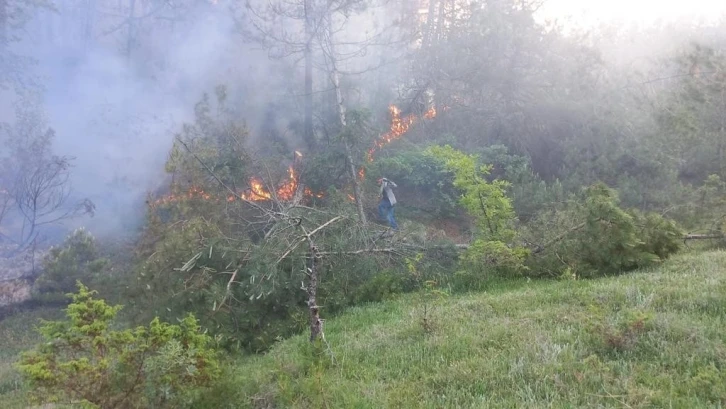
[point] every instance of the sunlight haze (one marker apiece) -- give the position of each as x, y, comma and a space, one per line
590, 13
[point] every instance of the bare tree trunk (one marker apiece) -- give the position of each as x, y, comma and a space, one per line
430, 19
439, 39
316, 325
441, 23
308, 134
721, 146
341, 115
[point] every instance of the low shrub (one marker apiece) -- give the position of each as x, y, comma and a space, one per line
83, 360
77, 258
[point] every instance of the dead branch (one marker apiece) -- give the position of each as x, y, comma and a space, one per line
390, 250
704, 236
227, 292
306, 237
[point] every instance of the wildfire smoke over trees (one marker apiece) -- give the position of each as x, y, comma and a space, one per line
229, 152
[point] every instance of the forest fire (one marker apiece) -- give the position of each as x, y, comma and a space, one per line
399, 126
286, 192
255, 193
193, 192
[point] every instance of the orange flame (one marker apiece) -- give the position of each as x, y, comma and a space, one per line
399, 126
287, 190
309, 193
431, 113
256, 191
193, 192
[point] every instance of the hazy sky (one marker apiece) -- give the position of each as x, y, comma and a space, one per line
588, 13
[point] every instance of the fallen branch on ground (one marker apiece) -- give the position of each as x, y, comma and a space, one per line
703, 236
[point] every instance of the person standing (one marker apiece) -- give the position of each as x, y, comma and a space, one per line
388, 202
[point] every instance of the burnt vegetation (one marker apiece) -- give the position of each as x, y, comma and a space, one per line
228, 177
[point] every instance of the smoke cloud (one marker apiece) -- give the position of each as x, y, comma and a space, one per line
117, 115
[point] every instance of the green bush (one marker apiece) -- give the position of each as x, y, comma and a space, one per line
83, 360
495, 257
75, 259
380, 287
609, 243
528, 192
423, 178
494, 250
593, 236
659, 235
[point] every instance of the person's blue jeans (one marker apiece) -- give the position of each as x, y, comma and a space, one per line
385, 210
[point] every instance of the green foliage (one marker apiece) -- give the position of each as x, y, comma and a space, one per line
216, 140
358, 127
429, 298
83, 359
196, 241
528, 191
690, 125
659, 235
495, 257
703, 209
422, 178
622, 335
485, 201
75, 259
17, 333
189, 268
593, 236
492, 250
380, 287
609, 243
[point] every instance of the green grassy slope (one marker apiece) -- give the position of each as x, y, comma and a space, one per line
650, 339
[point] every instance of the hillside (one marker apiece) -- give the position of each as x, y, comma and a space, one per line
650, 339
